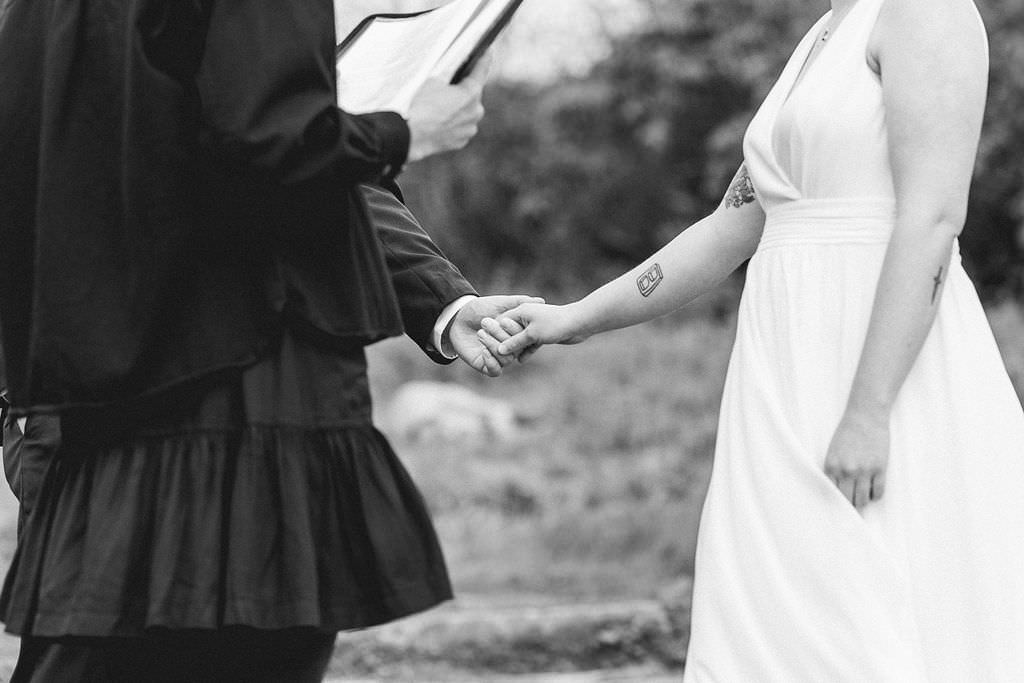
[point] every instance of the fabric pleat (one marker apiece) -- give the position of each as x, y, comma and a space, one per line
271, 502
792, 583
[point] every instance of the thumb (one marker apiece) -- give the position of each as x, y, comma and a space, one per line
481, 70
521, 341
505, 302
520, 299
514, 312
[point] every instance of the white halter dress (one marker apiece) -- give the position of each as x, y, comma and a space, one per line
792, 583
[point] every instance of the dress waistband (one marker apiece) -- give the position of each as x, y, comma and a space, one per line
861, 220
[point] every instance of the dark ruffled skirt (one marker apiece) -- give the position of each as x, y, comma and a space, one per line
266, 500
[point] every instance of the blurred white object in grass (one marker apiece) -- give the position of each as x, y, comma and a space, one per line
427, 411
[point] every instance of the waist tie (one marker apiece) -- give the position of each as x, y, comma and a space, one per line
864, 220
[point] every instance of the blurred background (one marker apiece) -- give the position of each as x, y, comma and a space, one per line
613, 124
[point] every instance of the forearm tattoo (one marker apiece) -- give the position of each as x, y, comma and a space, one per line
649, 281
741, 191
938, 283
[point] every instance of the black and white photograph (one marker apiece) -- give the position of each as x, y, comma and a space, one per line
512, 341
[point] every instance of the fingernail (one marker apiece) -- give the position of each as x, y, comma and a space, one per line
502, 349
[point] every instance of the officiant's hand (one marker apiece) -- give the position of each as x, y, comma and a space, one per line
444, 117
477, 350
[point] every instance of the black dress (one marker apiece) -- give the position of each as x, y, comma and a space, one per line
269, 502
233, 524
188, 279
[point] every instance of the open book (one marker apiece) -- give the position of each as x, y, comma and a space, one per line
383, 63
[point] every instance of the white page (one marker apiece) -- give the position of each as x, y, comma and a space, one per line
385, 67
461, 47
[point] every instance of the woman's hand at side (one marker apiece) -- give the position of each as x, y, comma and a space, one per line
933, 67
858, 457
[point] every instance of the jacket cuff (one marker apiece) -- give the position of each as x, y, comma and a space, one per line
394, 136
439, 340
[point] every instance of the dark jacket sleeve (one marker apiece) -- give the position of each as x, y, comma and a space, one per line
424, 279
268, 96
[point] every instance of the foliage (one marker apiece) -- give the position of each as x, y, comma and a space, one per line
995, 227
599, 494
571, 182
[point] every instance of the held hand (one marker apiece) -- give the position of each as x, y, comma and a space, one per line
858, 457
542, 324
444, 117
478, 350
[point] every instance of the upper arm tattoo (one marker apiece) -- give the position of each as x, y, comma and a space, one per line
741, 191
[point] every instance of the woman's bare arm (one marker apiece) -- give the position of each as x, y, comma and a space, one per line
933, 63
691, 264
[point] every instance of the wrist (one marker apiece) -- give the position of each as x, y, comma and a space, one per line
441, 336
863, 410
579, 319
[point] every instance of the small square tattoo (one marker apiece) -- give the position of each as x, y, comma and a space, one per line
649, 281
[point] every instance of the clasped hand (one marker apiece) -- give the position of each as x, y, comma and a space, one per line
474, 346
522, 330
490, 332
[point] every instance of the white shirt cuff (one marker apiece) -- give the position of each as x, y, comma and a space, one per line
449, 312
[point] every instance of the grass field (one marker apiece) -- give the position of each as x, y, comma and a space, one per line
599, 497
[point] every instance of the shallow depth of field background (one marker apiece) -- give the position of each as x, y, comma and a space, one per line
613, 124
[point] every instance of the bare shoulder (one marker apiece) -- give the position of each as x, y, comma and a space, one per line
944, 32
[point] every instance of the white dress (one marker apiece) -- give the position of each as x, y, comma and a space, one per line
792, 583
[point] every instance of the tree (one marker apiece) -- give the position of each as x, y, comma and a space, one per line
570, 183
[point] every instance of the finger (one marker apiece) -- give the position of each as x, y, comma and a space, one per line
846, 487
861, 491
479, 365
491, 365
493, 328
491, 344
878, 486
481, 69
517, 343
519, 299
511, 327
511, 301
506, 328
515, 313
